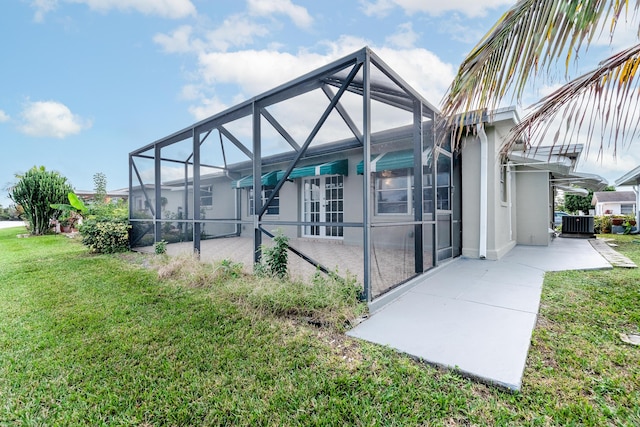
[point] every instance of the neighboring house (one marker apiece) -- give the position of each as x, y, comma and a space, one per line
347, 158
614, 202
112, 196
632, 179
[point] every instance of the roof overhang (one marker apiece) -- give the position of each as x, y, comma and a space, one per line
560, 162
630, 178
588, 181
567, 189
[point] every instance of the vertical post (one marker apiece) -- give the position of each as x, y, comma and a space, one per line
196, 191
257, 184
366, 151
131, 187
434, 180
418, 193
157, 194
186, 193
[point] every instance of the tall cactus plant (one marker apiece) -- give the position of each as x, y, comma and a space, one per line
36, 191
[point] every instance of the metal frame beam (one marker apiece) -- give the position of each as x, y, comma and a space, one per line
344, 114
311, 136
282, 131
352, 73
367, 207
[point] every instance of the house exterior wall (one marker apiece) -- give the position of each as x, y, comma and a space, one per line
291, 200
614, 207
532, 198
471, 197
500, 213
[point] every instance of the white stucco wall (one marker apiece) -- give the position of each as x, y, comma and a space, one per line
501, 221
532, 201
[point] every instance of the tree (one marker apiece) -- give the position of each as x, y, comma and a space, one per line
35, 192
100, 187
575, 203
525, 42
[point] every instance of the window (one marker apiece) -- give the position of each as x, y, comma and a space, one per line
443, 181
626, 209
394, 191
504, 176
274, 207
206, 195
427, 190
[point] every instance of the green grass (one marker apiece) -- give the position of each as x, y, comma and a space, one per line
102, 340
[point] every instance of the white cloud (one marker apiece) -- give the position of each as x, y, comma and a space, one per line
42, 7
378, 8
236, 30
173, 9
298, 14
208, 107
178, 41
256, 71
51, 119
4, 117
471, 8
404, 38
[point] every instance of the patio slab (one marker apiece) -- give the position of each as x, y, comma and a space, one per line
474, 315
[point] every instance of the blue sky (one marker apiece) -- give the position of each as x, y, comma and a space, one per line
84, 82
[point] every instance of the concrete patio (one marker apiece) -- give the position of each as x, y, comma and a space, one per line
476, 316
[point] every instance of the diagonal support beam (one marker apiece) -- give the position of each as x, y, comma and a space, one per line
282, 131
201, 142
146, 196
235, 141
344, 114
312, 135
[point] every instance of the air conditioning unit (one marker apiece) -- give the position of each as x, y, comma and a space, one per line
578, 226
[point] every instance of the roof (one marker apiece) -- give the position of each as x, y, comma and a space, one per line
613, 197
630, 178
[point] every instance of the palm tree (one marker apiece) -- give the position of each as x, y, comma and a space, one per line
529, 40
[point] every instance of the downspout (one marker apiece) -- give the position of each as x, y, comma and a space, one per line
484, 159
509, 201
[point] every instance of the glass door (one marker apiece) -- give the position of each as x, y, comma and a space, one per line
444, 209
323, 202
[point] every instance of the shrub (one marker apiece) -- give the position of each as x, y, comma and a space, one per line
160, 247
274, 259
105, 236
602, 224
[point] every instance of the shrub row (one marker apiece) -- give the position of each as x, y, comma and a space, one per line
106, 235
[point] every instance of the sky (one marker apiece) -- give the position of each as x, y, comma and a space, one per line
85, 82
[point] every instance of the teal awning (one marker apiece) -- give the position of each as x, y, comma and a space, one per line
337, 167
393, 160
389, 161
269, 179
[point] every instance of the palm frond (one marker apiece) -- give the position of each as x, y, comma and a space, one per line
604, 100
526, 41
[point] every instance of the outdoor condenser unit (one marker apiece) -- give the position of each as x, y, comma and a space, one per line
578, 225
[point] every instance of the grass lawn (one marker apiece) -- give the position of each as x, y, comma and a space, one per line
105, 340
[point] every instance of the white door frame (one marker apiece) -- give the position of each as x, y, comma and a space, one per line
323, 232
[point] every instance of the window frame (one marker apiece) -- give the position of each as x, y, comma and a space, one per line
408, 190
273, 209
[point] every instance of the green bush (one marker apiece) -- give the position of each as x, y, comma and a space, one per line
160, 247
274, 259
105, 236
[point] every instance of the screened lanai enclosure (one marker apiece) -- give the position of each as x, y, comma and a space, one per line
345, 166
